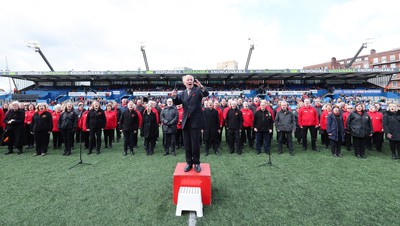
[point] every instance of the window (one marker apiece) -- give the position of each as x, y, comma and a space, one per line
394, 84
376, 60
376, 67
82, 83
392, 57
366, 65
357, 66
392, 65
365, 58
384, 66
341, 62
383, 59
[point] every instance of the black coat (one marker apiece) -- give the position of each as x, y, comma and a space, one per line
42, 122
359, 125
211, 125
285, 121
129, 121
96, 119
192, 107
263, 121
169, 119
17, 126
234, 119
333, 127
391, 124
149, 125
68, 120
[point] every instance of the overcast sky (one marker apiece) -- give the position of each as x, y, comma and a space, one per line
106, 34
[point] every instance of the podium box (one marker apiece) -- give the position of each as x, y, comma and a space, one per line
193, 179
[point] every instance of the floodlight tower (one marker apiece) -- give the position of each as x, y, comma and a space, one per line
35, 46
144, 56
249, 55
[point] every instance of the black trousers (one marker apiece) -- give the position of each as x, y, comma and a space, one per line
282, 135
108, 137
128, 140
246, 136
94, 139
85, 139
149, 144
179, 138
394, 146
118, 132
313, 132
263, 138
68, 138
42, 141
30, 139
347, 141
169, 139
191, 141
377, 140
359, 145
78, 133
325, 138
336, 146
57, 139
234, 140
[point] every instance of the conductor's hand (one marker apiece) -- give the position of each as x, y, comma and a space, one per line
174, 93
198, 83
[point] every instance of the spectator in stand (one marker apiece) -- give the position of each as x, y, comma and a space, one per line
248, 118
148, 129
263, 124
335, 131
169, 119
212, 128
42, 124
129, 124
30, 139
377, 137
95, 123
111, 124
359, 125
66, 124
323, 125
391, 126
285, 124
57, 136
308, 121
14, 121
234, 125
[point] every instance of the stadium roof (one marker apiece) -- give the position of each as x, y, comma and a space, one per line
173, 75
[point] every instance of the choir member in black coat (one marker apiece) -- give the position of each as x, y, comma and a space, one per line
42, 125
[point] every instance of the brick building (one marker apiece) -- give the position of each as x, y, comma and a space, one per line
387, 59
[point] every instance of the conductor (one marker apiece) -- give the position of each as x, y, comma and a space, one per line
192, 119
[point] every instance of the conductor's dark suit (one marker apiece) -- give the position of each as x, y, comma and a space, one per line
192, 121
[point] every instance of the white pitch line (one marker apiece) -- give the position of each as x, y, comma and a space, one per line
192, 218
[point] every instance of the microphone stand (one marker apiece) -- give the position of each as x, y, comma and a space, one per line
80, 147
269, 162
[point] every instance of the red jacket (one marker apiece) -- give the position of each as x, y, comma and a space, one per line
55, 117
2, 125
111, 120
220, 116
376, 118
324, 119
248, 118
29, 117
308, 116
82, 121
225, 112
345, 115
157, 116
180, 113
140, 118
